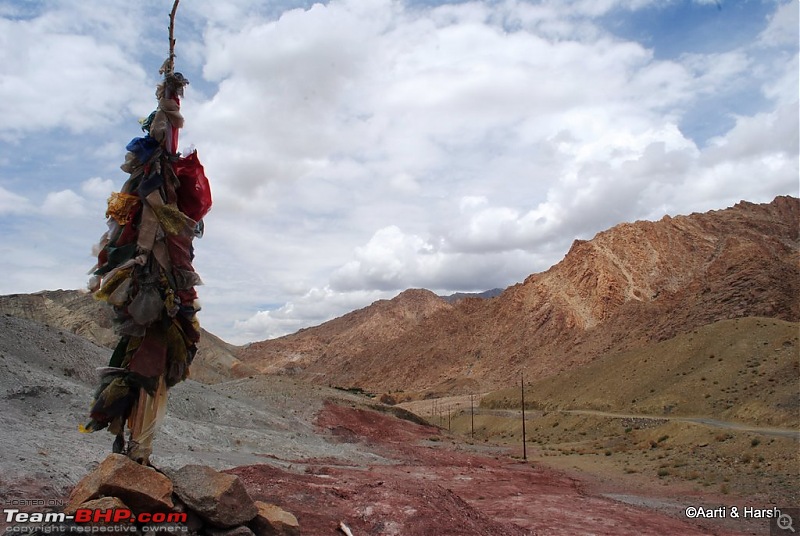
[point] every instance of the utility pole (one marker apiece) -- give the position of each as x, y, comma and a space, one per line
524, 445
472, 417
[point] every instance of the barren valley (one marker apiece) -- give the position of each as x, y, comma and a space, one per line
661, 371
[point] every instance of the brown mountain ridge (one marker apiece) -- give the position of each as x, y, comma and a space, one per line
632, 285
79, 313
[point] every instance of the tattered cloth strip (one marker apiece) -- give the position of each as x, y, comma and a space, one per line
173, 221
143, 148
144, 270
112, 284
122, 207
166, 122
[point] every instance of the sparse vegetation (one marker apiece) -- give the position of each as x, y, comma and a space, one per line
674, 451
720, 355
356, 391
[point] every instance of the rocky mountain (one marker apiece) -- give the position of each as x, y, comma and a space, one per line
312, 352
683, 292
72, 310
486, 294
79, 313
632, 285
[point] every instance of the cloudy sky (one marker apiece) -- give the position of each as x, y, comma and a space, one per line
357, 148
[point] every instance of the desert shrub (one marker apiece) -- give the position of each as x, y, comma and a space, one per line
388, 399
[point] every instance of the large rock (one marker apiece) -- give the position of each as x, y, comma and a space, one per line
141, 488
103, 504
273, 521
217, 497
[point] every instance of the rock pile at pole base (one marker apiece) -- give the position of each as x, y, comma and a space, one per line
214, 503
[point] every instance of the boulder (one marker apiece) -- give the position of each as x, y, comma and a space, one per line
193, 521
141, 488
272, 520
102, 504
218, 498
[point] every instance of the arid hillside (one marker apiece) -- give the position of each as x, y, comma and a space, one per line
326, 456
311, 353
79, 313
661, 360
632, 285
744, 370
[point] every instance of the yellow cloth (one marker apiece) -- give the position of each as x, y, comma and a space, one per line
173, 221
122, 207
112, 284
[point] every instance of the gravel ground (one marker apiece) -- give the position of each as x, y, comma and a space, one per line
47, 377
325, 462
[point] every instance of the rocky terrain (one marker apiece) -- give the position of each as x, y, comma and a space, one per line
630, 286
713, 409
79, 313
196, 498
458, 296
744, 370
661, 364
47, 377
324, 456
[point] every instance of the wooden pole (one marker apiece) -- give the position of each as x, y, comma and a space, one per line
524, 444
472, 417
171, 59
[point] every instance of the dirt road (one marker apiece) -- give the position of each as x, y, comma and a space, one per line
437, 410
705, 421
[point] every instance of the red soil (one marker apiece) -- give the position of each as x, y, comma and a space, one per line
433, 489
